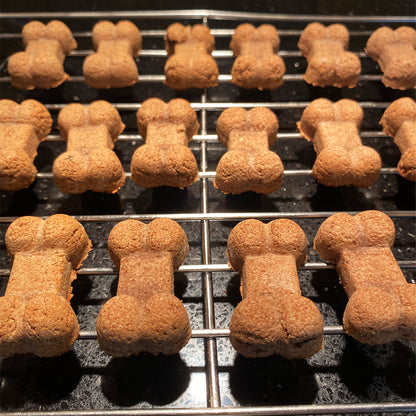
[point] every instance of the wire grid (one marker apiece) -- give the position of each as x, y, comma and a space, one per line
210, 333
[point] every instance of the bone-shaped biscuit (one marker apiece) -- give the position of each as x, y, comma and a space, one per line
248, 164
382, 305
89, 162
165, 159
22, 128
329, 61
257, 64
35, 313
341, 157
190, 64
395, 52
273, 317
41, 64
113, 64
399, 121
145, 315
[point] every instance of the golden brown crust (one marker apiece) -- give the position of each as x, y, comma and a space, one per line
395, 52
329, 61
399, 121
341, 160
248, 165
165, 159
257, 64
382, 305
190, 64
89, 162
41, 65
273, 317
22, 128
145, 315
113, 65
35, 313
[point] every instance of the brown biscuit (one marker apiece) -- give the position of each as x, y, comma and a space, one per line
190, 64
382, 305
22, 128
35, 313
113, 64
145, 315
165, 159
329, 61
399, 121
41, 65
248, 165
341, 157
394, 50
257, 64
273, 317
89, 162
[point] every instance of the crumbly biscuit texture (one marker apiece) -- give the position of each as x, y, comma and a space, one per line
248, 164
382, 305
35, 313
273, 317
113, 64
341, 159
257, 64
190, 64
165, 159
399, 121
22, 127
145, 315
329, 61
41, 64
395, 52
89, 162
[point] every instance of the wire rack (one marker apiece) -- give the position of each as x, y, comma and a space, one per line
215, 374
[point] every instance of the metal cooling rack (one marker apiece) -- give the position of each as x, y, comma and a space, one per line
203, 145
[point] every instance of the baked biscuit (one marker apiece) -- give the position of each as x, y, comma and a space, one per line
22, 128
113, 64
35, 313
165, 159
273, 317
41, 65
248, 165
145, 315
341, 159
190, 64
382, 305
329, 61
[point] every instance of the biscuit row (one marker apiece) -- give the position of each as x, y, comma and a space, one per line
272, 318
165, 159
190, 64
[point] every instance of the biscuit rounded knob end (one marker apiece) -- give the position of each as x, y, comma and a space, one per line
11, 310
19, 69
69, 172
17, 170
407, 165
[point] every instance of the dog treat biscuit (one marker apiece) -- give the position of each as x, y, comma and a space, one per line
113, 64
89, 162
41, 64
257, 64
22, 128
165, 159
382, 305
329, 61
395, 52
248, 164
145, 315
273, 317
35, 313
399, 121
341, 157
190, 64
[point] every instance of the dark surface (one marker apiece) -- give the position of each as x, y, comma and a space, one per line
345, 371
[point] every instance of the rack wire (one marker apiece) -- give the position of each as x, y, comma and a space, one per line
210, 333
